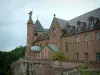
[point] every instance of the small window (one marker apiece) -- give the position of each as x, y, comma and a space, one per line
86, 56
66, 46
36, 34
97, 35
54, 30
97, 56
77, 38
77, 56
78, 25
85, 37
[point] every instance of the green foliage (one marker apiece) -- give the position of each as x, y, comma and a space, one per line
83, 66
6, 59
89, 72
59, 56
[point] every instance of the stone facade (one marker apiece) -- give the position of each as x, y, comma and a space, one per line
27, 66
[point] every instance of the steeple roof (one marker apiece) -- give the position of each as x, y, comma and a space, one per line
38, 26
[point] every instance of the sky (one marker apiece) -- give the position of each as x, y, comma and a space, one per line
14, 16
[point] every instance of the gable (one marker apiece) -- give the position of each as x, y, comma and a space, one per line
54, 23
60, 22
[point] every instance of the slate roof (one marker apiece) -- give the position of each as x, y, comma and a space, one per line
46, 32
80, 23
62, 23
38, 26
53, 47
84, 18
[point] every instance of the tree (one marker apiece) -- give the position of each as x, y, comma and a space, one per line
7, 58
59, 56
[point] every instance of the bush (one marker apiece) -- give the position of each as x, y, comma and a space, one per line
83, 66
59, 56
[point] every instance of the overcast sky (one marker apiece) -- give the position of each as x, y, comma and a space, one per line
14, 16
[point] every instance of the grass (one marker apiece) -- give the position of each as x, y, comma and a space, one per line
89, 72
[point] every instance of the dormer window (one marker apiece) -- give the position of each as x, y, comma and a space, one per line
78, 22
83, 26
68, 28
96, 20
91, 19
91, 22
78, 25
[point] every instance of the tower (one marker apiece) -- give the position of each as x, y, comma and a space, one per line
30, 31
39, 30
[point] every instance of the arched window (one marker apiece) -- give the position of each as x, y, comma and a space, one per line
54, 30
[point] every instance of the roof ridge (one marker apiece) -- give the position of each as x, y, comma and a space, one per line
85, 13
61, 19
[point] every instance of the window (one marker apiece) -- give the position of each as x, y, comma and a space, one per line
98, 56
86, 56
91, 22
85, 37
54, 30
66, 47
97, 35
87, 45
36, 34
78, 25
77, 38
77, 56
